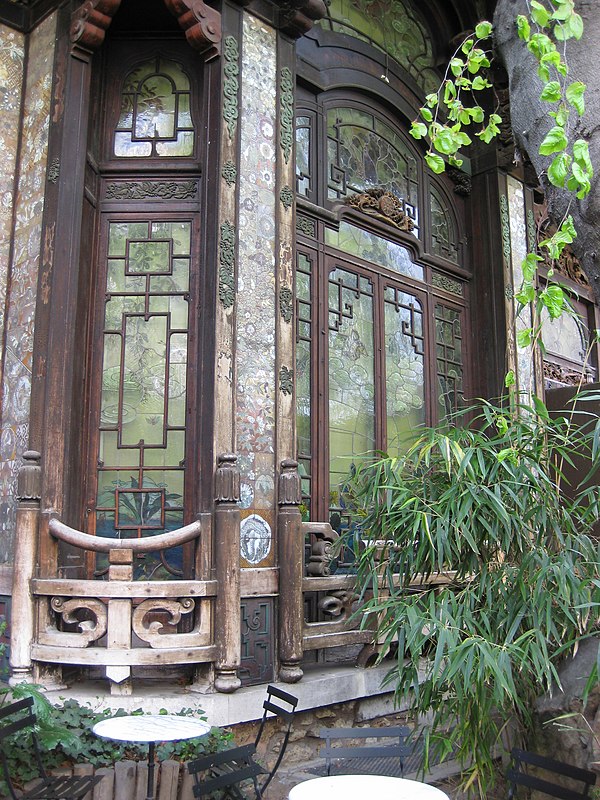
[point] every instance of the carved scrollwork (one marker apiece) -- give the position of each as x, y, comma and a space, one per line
72, 612
382, 205
153, 631
90, 22
321, 555
296, 17
201, 23
338, 604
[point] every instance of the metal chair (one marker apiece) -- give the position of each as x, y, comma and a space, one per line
19, 717
518, 775
277, 704
366, 758
223, 772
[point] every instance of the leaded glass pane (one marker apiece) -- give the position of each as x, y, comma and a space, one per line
444, 236
155, 118
404, 366
365, 153
449, 352
351, 375
394, 27
303, 148
373, 248
144, 378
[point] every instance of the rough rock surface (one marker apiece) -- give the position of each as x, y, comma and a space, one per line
531, 123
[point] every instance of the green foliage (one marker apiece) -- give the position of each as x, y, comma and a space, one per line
455, 107
484, 503
66, 737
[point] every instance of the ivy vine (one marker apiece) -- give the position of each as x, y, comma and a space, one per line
447, 114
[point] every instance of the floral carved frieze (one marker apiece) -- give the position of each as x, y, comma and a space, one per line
382, 205
144, 190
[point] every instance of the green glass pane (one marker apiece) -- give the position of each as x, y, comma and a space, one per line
177, 379
120, 232
149, 257
111, 480
109, 404
145, 368
567, 336
118, 281
155, 117
125, 147
351, 376
140, 508
171, 480
175, 71
111, 453
184, 116
117, 306
374, 249
182, 146
404, 367
173, 453
179, 232
174, 305
176, 282
393, 26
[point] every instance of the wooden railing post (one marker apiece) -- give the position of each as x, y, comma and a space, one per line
291, 572
227, 559
23, 611
119, 621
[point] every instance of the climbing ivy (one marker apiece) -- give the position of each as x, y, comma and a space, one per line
447, 114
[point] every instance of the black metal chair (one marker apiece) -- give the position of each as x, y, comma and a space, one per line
18, 717
519, 775
222, 773
277, 704
366, 758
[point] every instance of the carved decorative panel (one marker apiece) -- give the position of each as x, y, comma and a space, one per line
257, 641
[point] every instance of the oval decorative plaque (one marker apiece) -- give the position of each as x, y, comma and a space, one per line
255, 539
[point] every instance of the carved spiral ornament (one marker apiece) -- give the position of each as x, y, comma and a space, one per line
90, 629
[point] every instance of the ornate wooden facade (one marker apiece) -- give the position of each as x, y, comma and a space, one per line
219, 310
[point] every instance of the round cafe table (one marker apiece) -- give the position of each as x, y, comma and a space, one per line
151, 728
362, 787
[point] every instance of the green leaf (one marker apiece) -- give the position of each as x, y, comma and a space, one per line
523, 28
575, 92
418, 130
426, 114
480, 83
446, 141
477, 114
431, 100
559, 169
435, 163
551, 93
553, 299
525, 337
539, 14
581, 154
467, 45
457, 65
484, 29
529, 266
554, 141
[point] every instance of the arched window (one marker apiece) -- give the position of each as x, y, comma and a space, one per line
382, 292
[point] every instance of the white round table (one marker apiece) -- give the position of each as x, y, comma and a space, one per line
151, 728
363, 787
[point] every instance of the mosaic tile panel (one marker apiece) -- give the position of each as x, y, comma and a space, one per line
518, 238
19, 323
255, 388
12, 49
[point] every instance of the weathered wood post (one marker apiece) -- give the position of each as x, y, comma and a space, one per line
119, 621
291, 573
22, 609
227, 560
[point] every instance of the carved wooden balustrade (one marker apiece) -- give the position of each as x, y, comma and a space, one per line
122, 623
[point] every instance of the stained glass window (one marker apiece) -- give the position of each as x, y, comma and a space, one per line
304, 332
142, 436
444, 236
373, 248
449, 353
351, 374
404, 366
394, 27
155, 117
363, 152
